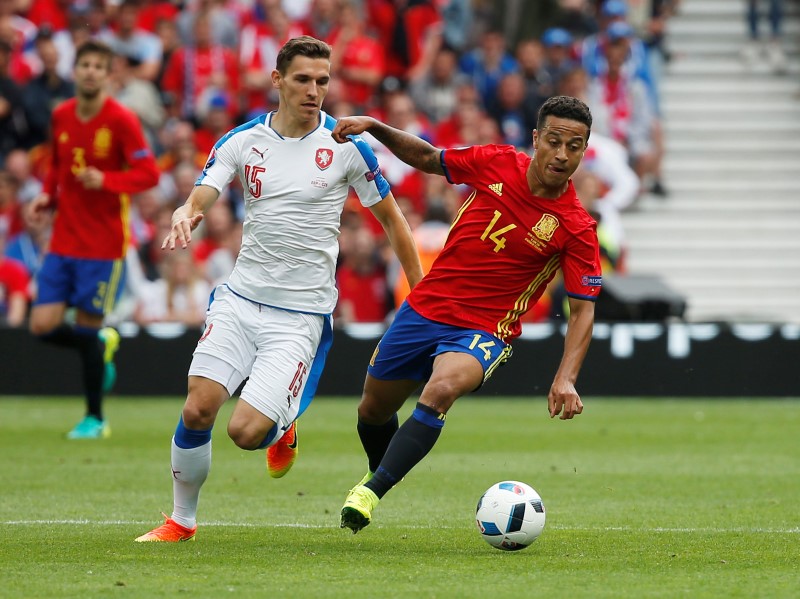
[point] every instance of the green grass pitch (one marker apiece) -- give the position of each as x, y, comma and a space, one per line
645, 498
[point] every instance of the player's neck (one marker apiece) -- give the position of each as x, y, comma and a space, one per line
288, 126
88, 108
541, 190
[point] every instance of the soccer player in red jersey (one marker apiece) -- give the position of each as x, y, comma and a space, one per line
99, 156
521, 224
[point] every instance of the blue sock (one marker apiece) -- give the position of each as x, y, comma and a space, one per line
410, 444
189, 439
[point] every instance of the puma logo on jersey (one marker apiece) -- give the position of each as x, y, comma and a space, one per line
259, 153
497, 188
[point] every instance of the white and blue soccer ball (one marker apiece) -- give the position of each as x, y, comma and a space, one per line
510, 515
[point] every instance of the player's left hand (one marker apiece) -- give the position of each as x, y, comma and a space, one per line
564, 399
91, 177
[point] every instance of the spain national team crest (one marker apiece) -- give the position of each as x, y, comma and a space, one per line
545, 228
102, 142
323, 158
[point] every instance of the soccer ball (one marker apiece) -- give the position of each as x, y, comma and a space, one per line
510, 515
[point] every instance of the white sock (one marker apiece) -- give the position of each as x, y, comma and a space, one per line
189, 471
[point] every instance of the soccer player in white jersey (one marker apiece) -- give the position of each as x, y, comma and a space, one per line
272, 321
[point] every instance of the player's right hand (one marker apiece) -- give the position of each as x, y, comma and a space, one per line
181, 232
350, 125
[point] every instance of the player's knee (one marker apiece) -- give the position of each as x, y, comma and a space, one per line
198, 416
245, 438
441, 394
371, 411
41, 328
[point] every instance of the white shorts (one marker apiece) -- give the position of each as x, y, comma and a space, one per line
282, 352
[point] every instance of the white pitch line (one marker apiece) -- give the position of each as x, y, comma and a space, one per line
758, 530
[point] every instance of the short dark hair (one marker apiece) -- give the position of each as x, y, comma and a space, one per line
565, 107
305, 45
95, 47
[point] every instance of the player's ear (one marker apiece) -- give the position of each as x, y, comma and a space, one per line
276, 79
535, 139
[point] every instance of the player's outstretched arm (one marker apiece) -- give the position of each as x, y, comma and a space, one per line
407, 147
563, 398
186, 218
399, 234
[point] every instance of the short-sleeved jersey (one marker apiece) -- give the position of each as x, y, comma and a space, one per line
94, 223
294, 190
505, 245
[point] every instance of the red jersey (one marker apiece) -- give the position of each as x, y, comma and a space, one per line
94, 223
505, 246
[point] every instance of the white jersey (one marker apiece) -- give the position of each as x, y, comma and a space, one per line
294, 191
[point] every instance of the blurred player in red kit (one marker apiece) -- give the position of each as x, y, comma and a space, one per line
99, 156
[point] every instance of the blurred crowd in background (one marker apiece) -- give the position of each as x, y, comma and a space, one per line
455, 72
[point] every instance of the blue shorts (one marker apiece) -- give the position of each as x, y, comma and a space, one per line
93, 286
410, 344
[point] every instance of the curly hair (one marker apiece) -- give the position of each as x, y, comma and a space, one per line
564, 107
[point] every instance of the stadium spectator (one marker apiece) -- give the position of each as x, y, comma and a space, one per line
177, 143
154, 12
214, 232
436, 92
199, 67
144, 208
86, 21
619, 187
10, 218
167, 33
578, 17
430, 236
179, 295
322, 21
44, 92
621, 107
357, 61
138, 94
455, 326
13, 126
406, 182
14, 285
463, 123
184, 176
412, 34
558, 58
149, 250
19, 35
18, 164
49, 14
260, 43
458, 17
99, 155
28, 246
361, 280
222, 259
539, 84
613, 24
214, 119
140, 45
222, 22
487, 64
755, 47
514, 115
